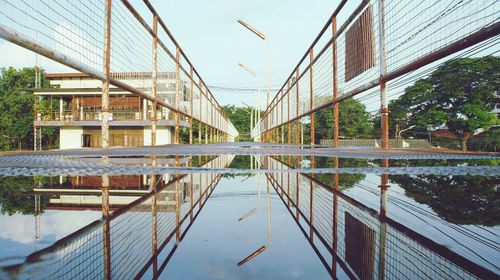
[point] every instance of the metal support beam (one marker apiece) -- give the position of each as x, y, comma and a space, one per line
191, 85
154, 80
311, 92
384, 109
335, 85
105, 84
297, 131
177, 96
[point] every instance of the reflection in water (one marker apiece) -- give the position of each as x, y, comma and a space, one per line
145, 217
364, 243
125, 242
261, 249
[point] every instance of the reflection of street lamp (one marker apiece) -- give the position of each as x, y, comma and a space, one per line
269, 230
263, 37
252, 72
251, 212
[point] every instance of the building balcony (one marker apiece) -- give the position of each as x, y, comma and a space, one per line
115, 117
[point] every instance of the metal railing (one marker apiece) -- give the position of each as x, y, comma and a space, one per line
105, 38
371, 56
113, 115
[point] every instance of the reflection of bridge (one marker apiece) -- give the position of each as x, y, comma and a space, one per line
360, 241
129, 240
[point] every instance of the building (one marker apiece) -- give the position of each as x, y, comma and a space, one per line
73, 104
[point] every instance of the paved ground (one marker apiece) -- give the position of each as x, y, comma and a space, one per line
126, 160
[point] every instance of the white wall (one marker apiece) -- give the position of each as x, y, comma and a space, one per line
70, 137
164, 136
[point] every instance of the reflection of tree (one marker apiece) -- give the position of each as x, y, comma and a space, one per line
239, 162
457, 199
15, 196
346, 181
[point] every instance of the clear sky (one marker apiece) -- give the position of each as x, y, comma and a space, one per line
215, 43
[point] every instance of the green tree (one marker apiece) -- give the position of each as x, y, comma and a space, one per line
460, 95
240, 117
17, 109
354, 121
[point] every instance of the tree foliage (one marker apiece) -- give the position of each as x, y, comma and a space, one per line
354, 121
240, 117
17, 109
460, 94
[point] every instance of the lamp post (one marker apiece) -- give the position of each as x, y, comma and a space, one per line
252, 113
252, 72
263, 37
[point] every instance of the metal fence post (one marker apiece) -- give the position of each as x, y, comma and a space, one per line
311, 93
384, 109
155, 80
297, 105
335, 85
106, 226
199, 117
191, 105
288, 111
105, 83
177, 96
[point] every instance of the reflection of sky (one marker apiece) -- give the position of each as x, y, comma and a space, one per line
217, 241
18, 231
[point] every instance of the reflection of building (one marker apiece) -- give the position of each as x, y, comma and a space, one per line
119, 244
74, 106
84, 192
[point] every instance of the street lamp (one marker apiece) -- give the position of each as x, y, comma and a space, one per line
252, 72
269, 227
263, 37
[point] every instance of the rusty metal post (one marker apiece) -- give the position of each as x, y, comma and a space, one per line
281, 122
384, 108
106, 226
177, 96
191, 85
199, 116
335, 212
154, 222
206, 113
105, 83
384, 184
155, 80
335, 85
288, 112
177, 211
311, 94
297, 131
311, 209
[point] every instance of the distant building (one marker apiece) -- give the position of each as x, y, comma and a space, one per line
76, 109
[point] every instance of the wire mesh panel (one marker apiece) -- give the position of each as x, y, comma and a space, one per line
381, 40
